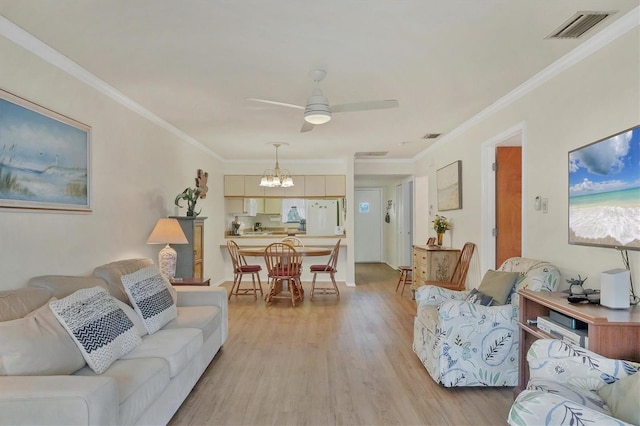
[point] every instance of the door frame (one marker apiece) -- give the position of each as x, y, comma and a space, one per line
488, 191
405, 221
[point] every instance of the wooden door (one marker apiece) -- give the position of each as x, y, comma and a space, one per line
508, 203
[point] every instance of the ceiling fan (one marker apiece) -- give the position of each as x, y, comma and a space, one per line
318, 111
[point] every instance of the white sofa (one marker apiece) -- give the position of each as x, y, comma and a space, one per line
145, 387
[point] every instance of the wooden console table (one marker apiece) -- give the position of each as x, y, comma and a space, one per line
431, 263
613, 333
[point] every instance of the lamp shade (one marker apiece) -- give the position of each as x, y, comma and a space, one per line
167, 231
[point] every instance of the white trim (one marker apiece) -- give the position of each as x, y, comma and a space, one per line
595, 43
24, 39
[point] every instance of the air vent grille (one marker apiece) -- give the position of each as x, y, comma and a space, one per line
371, 154
431, 136
579, 24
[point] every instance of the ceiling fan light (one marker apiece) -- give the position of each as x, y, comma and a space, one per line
317, 117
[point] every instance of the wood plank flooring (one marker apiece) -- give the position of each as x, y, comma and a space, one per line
329, 362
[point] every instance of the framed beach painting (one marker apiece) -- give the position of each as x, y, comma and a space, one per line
449, 185
44, 158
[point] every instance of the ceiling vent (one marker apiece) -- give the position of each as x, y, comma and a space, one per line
579, 24
431, 136
371, 154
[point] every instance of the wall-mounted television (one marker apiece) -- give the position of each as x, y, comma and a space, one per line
604, 192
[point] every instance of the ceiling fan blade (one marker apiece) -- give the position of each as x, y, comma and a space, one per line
365, 106
306, 127
284, 104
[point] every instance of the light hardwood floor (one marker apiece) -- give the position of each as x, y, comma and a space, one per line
329, 362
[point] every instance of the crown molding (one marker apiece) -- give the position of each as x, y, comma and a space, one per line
617, 29
22, 38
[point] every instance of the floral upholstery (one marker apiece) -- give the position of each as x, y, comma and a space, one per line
464, 344
562, 390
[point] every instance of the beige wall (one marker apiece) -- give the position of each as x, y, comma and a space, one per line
595, 98
138, 169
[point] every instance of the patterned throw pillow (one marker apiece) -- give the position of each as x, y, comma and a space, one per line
479, 298
149, 294
100, 329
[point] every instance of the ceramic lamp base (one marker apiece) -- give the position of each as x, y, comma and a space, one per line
167, 259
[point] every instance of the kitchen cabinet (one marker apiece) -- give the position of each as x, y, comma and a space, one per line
335, 186
191, 255
314, 186
252, 186
234, 186
244, 206
272, 205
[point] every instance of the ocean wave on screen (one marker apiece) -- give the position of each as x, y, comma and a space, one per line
620, 223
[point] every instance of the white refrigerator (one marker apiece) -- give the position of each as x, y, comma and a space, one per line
322, 217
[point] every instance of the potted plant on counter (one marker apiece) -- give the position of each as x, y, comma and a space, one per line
190, 195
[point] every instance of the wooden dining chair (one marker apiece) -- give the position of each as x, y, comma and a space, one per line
240, 268
283, 266
328, 268
459, 274
293, 241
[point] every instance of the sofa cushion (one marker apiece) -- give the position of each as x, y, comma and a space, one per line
205, 318
139, 381
17, 303
177, 347
149, 295
498, 284
37, 345
63, 285
622, 398
100, 329
112, 272
569, 392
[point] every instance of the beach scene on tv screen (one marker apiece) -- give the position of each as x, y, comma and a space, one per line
604, 192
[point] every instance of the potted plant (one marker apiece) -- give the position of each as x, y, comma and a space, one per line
441, 225
190, 195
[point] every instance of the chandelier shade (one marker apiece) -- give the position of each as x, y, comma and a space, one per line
276, 177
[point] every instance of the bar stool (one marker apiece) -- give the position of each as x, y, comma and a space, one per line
406, 278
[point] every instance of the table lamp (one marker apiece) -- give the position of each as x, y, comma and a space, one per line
167, 231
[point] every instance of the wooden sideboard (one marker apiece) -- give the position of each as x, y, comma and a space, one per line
613, 333
431, 263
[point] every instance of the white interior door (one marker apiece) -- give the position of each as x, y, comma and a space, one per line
368, 225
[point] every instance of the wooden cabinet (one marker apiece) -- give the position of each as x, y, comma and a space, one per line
252, 186
190, 256
432, 264
335, 186
233, 186
613, 333
272, 205
314, 186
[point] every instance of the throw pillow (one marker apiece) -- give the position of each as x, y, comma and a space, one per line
479, 298
622, 398
37, 345
149, 294
498, 284
133, 316
100, 329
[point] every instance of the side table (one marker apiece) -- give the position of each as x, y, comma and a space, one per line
190, 281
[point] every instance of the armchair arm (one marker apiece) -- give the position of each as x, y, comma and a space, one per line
564, 362
430, 295
58, 400
206, 296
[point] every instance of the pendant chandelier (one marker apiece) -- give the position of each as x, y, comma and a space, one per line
276, 177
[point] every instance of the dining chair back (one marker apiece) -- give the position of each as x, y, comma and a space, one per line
293, 241
240, 268
459, 274
328, 268
283, 266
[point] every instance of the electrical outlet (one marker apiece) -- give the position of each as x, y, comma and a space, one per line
545, 205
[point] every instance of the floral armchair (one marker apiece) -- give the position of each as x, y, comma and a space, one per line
465, 344
565, 388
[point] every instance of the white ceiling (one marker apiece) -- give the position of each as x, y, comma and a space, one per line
194, 63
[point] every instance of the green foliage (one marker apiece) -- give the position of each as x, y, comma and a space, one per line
190, 195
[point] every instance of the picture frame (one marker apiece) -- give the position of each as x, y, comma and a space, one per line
449, 186
45, 158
